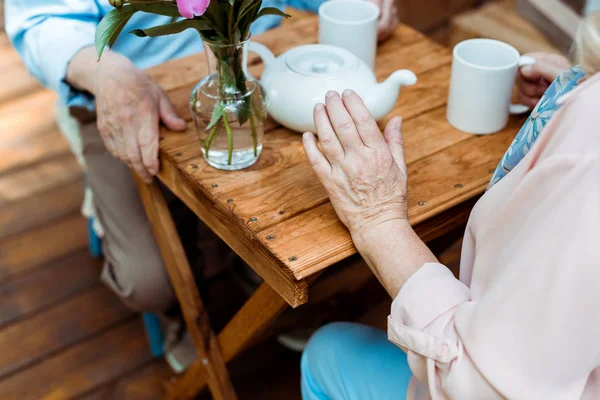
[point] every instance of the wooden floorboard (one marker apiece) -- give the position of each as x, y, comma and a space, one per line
26, 294
28, 250
33, 211
58, 327
83, 366
28, 182
144, 384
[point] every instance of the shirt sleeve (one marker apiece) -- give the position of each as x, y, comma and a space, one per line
47, 34
528, 326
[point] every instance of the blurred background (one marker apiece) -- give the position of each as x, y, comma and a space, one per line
63, 335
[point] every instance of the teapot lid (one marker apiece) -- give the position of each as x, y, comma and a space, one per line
319, 60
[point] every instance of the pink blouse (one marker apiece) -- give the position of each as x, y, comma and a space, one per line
522, 322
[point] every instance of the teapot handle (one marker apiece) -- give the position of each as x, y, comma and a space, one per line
263, 51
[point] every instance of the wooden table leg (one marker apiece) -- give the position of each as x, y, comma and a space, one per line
210, 364
251, 320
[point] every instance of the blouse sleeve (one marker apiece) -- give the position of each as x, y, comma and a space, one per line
529, 329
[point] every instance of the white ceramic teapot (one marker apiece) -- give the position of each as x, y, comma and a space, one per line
299, 79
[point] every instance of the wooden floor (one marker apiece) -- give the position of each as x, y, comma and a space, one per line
63, 335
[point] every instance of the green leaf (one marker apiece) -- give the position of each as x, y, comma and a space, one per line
271, 11
216, 116
111, 26
167, 9
231, 2
228, 77
170, 29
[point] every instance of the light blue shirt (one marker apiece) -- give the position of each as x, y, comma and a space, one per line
48, 33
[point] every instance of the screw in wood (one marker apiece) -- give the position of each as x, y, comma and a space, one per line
270, 237
253, 219
458, 186
293, 258
162, 138
422, 203
229, 201
179, 154
491, 171
215, 185
194, 166
281, 212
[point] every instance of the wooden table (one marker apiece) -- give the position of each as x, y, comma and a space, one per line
276, 215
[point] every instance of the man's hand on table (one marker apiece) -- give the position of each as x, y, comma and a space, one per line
129, 106
388, 19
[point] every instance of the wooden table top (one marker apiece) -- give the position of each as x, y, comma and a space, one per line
276, 214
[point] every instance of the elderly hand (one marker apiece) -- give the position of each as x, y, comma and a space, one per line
363, 171
129, 106
534, 80
388, 19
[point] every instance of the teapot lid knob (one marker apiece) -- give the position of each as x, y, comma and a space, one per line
319, 60
319, 68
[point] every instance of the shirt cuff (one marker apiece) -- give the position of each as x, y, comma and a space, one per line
57, 53
430, 293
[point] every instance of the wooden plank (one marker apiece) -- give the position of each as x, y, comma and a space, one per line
17, 82
296, 189
39, 178
181, 276
252, 319
145, 384
36, 108
500, 21
24, 343
317, 239
220, 220
23, 153
28, 250
29, 212
83, 367
428, 14
45, 286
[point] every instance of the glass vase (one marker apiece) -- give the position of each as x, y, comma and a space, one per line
229, 109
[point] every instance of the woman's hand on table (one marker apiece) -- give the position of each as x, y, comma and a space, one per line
388, 19
365, 176
534, 80
363, 171
129, 107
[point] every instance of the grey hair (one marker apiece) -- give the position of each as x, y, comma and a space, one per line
587, 44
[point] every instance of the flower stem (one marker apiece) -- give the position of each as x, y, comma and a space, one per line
254, 137
229, 138
208, 142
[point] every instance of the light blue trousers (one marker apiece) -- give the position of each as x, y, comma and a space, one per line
348, 361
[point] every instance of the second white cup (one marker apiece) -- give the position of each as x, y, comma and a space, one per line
481, 86
352, 25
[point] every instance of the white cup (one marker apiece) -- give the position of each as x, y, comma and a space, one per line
352, 25
481, 86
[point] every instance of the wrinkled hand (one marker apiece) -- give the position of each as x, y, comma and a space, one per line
388, 19
534, 80
130, 106
363, 171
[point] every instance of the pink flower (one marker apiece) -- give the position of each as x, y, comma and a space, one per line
191, 8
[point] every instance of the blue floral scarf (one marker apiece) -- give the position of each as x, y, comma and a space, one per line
536, 122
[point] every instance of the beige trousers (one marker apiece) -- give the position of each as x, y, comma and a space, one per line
134, 268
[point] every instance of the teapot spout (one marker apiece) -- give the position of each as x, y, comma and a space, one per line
382, 98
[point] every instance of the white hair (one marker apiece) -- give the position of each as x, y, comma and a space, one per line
587, 44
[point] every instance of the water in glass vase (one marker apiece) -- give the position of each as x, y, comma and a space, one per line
229, 110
